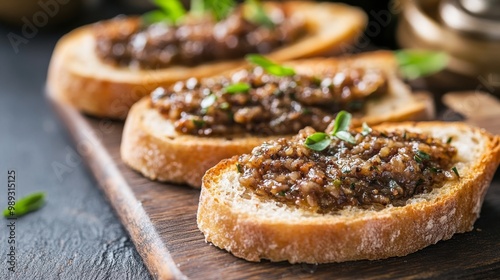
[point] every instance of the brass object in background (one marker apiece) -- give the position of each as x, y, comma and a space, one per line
470, 37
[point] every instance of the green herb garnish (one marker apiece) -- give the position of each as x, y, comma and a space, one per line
170, 11
220, 9
435, 170
449, 140
199, 123
346, 136
320, 140
237, 88
454, 169
254, 12
25, 205
239, 168
342, 122
366, 129
421, 156
418, 63
270, 66
306, 111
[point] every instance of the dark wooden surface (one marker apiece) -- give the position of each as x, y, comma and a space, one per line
161, 220
76, 235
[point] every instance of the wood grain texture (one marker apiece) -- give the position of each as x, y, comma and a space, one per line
479, 108
161, 220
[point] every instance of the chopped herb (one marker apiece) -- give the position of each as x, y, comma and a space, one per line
25, 205
435, 170
237, 88
254, 12
306, 111
353, 186
383, 134
318, 141
199, 123
404, 135
449, 140
421, 156
270, 66
239, 168
337, 183
366, 129
454, 169
282, 193
316, 80
418, 63
208, 101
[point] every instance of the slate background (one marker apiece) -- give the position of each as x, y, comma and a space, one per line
76, 235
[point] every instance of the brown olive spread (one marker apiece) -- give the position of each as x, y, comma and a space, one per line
380, 169
127, 42
271, 105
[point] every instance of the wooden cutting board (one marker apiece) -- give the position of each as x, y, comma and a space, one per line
161, 221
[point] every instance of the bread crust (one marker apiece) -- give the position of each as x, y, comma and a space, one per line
78, 77
151, 145
254, 233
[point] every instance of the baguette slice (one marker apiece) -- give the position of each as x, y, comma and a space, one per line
151, 145
77, 76
254, 229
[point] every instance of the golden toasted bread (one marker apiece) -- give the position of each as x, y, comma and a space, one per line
251, 227
79, 77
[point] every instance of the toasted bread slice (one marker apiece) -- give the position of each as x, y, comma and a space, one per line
235, 219
78, 77
151, 145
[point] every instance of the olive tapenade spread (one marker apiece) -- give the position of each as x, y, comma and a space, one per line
196, 40
266, 104
378, 170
